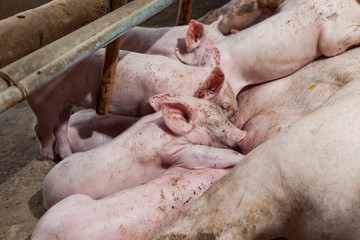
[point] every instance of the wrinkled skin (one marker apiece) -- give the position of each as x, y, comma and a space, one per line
123, 214
138, 77
303, 182
239, 14
301, 93
187, 132
281, 44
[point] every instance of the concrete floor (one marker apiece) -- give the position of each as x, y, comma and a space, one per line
22, 169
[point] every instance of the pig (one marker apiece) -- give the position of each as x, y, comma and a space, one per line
87, 130
164, 41
301, 182
138, 77
270, 108
282, 44
185, 131
134, 213
239, 14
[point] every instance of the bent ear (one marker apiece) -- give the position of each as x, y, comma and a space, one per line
156, 100
212, 85
211, 56
216, 23
194, 34
178, 116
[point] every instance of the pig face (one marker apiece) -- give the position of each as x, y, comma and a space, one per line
200, 120
197, 38
218, 91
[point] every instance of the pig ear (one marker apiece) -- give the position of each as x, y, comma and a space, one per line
212, 85
156, 100
178, 116
211, 56
216, 23
194, 34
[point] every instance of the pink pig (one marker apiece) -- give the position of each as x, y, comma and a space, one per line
165, 40
135, 213
138, 77
278, 46
187, 132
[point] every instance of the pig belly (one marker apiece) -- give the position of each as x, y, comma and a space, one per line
301, 184
272, 107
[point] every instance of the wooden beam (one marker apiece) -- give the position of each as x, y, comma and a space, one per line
184, 13
109, 70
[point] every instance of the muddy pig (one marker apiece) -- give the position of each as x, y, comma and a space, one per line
187, 132
152, 206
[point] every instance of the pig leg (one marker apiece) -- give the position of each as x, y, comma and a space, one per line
201, 156
60, 131
46, 139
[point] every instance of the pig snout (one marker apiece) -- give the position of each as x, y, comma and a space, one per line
233, 137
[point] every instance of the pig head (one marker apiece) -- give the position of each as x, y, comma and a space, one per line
187, 132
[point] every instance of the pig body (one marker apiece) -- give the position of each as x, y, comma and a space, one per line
87, 130
272, 107
165, 40
187, 132
285, 42
134, 213
138, 77
238, 14
301, 182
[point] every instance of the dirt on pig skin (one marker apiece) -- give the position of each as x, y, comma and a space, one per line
22, 168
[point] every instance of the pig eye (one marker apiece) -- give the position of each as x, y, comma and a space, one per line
225, 107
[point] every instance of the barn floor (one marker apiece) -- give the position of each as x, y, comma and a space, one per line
22, 169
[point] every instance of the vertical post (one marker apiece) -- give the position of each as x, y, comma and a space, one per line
184, 12
109, 70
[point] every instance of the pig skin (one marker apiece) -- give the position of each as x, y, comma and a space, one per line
303, 182
135, 213
138, 77
187, 132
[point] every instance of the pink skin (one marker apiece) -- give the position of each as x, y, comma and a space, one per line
138, 77
303, 182
135, 213
164, 41
272, 107
87, 130
187, 132
281, 44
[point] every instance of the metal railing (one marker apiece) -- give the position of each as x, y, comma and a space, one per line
38, 68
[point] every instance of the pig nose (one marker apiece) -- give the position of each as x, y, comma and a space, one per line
236, 136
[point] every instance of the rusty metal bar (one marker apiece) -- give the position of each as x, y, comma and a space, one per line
30, 30
45, 64
109, 70
184, 12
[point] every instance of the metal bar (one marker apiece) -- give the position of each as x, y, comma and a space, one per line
184, 13
45, 64
109, 70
